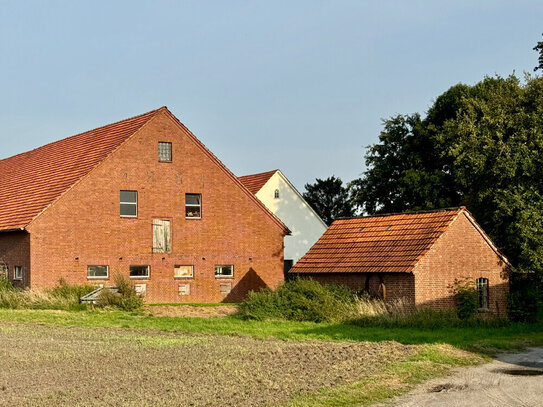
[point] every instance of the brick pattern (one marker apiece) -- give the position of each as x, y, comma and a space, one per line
460, 252
15, 251
84, 227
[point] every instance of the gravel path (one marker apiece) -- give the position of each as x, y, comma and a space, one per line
514, 379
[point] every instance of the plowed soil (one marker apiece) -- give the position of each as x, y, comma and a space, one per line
72, 366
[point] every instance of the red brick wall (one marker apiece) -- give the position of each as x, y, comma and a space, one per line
397, 285
460, 252
84, 227
15, 251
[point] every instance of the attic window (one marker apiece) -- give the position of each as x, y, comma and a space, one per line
276, 194
164, 152
193, 206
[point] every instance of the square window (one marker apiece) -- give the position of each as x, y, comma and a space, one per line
139, 271
164, 152
183, 271
18, 272
129, 204
141, 289
184, 289
193, 206
226, 288
97, 271
161, 236
224, 270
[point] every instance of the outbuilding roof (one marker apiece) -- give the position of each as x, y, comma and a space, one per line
374, 244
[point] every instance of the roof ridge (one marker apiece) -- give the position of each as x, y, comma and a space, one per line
88, 131
382, 215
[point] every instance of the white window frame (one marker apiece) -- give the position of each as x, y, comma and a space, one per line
128, 203
479, 284
140, 277
194, 206
222, 275
18, 269
184, 265
171, 152
98, 277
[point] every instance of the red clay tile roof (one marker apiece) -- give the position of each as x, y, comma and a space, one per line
255, 182
31, 181
374, 244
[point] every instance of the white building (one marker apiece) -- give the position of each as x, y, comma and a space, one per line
276, 192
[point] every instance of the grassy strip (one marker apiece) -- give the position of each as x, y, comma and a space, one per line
193, 304
487, 340
398, 378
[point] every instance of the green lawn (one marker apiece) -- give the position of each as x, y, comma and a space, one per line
481, 339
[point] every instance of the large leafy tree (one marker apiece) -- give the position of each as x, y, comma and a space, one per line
479, 146
329, 198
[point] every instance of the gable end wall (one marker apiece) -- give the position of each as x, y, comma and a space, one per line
460, 252
84, 226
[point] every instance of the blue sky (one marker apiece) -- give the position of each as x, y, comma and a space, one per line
296, 85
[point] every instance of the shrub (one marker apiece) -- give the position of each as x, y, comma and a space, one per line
466, 298
300, 300
5, 284
524, 298
125, 298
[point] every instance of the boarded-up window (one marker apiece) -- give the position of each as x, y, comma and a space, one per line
184, 289
183, 271
141, 289
161, 236
226, 288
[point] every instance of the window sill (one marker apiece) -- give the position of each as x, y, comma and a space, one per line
183, 278
139, 278
128, 217
18, 279
224, 277
192, 217
97, 278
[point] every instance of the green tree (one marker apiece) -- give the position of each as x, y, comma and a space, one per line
329, 198
479, 146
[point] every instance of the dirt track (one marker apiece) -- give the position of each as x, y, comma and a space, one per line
502, 383
71, 366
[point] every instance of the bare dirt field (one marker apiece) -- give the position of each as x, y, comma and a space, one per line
191, 311
72, 366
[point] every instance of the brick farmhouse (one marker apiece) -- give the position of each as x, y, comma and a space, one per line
144, 198
413, 256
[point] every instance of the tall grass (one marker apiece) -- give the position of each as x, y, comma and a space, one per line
62, 297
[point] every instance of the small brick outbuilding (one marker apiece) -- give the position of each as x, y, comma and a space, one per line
413, 256
143, 198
